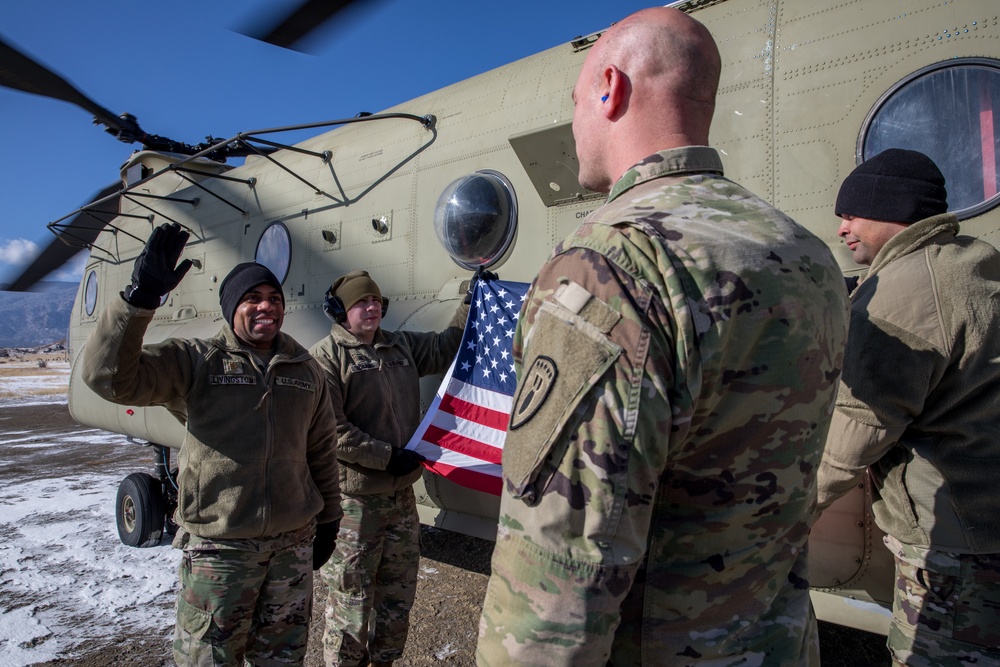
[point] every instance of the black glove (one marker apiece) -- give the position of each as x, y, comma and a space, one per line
154, 274
481, 274
403, 462
325, 542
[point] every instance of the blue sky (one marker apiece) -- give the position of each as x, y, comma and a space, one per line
185, 72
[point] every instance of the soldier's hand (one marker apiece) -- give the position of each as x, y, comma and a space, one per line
403, 462
481, 274
324, 543
156, 271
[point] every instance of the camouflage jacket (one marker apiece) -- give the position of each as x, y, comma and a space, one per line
259, 457
377, 388
677, 360
919, 400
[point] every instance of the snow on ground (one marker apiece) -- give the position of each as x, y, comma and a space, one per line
65, 577
54, 376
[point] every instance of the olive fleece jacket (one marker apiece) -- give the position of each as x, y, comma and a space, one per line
259, 456
377, 389
919, 400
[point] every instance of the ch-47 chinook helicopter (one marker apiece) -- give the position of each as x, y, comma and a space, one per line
808, 90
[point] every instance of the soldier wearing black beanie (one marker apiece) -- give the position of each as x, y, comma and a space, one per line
241, 280
918, 407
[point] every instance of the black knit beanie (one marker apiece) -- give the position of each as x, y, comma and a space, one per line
241, 280
896, 185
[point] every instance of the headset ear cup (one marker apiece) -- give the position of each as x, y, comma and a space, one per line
334, 308
385, 306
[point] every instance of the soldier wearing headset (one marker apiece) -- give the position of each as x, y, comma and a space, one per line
374, 382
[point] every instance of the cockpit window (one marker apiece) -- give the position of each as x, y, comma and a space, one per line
274, 250
476, 218
947, 111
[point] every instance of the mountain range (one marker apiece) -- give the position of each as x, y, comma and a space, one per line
40, 317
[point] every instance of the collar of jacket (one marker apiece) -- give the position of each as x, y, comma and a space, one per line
288, 349
913, 238
672, 162
345, 338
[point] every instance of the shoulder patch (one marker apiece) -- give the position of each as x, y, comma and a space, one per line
538, 382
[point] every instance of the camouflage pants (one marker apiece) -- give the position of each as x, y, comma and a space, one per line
946, 608
372, 578
237, 605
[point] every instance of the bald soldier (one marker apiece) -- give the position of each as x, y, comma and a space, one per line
677, 360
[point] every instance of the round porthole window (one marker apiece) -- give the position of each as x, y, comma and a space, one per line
274, 250
476, 218
90, 293
947, 111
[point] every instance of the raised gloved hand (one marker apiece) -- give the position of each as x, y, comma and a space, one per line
403, 462
155, 274
325, 542
481, 274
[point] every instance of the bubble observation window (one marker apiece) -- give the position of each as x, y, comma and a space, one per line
274, 250
476, 218
947, 111
90, 293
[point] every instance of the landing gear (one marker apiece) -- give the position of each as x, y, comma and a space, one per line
139, 510
145, 503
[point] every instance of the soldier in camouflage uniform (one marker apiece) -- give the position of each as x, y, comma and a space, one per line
677, 359
258, 486
374, 377
918, 408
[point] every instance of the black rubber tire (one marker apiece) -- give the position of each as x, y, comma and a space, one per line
139, 510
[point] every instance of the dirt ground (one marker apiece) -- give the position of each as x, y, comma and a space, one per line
454, 571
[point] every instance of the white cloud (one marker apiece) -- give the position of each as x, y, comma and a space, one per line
71, 271
17, 252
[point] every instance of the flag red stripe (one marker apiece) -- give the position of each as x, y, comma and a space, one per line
457, 443
468, 478
473, 412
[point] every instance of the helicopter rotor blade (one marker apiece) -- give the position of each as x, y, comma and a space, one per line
81, 231
292, 27
19, 72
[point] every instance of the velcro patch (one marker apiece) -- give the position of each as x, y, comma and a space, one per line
364, 365
231, 379
294, 382
232, 366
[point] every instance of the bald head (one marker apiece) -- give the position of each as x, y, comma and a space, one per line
659, 71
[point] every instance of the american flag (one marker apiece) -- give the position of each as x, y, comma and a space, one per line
463, 432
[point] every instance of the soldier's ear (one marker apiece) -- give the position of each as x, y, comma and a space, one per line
614, 82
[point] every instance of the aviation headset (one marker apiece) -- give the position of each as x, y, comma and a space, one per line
333, 305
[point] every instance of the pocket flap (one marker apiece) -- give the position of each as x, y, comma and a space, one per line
568, 356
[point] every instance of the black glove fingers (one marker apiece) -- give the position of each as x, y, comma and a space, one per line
155, 274
175, 243
155, 241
